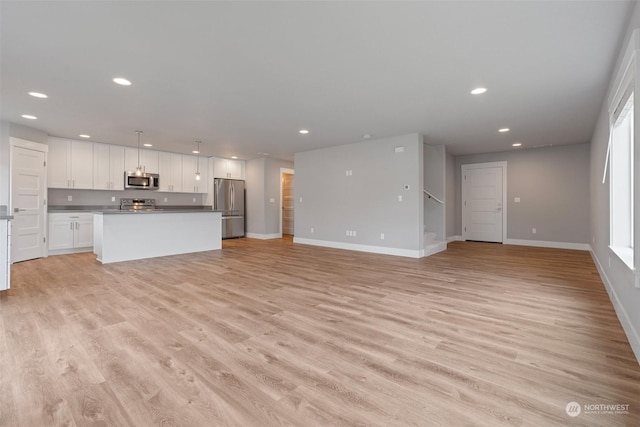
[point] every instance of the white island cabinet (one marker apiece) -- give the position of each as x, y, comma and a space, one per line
125, 236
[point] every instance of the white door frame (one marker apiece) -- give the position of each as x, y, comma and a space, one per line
35, 146
282, 172
502, 165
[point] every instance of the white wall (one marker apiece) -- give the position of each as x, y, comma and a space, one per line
365, 202
618, 279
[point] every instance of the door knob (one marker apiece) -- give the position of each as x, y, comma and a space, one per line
19, 210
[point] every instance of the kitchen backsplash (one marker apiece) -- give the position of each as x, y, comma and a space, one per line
60, 197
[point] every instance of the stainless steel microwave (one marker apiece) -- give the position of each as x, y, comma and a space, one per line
144, 181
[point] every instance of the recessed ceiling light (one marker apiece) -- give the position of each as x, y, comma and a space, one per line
516, 144
148, 145
196, 152
234, 157
29, 116
263, 154
84, 136
366, 136
478, 91
504, 130
304, 131
38, 95
122, 81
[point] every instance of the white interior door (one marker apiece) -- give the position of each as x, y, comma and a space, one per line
483, 202
27, 201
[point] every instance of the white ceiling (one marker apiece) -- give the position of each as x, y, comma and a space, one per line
244, 77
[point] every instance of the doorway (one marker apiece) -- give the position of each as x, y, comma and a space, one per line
287, 202
28, 193
484, 197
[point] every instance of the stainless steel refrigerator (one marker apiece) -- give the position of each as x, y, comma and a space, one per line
228, 198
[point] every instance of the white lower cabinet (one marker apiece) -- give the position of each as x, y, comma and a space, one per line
70, 232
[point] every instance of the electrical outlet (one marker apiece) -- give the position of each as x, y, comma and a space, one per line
353, 233
533, 230
272, 200
400, 198
194, 200
399, 149
381, 236
312, 231
516, 200
69, 198
300, 199
348, 233
113, 198
165, 200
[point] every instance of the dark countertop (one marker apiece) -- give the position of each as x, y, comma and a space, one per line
4, 214
149, 212
113, 209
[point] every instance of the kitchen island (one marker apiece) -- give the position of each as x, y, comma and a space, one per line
126, 235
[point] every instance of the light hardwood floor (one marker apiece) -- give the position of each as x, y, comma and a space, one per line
270, 333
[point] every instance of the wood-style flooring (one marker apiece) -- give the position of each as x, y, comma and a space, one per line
268, 333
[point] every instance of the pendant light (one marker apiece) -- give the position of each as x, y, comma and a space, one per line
198, 161
139, 167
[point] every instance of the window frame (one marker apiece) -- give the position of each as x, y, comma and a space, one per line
628, 78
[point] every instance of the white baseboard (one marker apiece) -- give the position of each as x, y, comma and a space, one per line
548, 244
263, 236
629, 329
434, 247
69, 251
361, 248
454, 238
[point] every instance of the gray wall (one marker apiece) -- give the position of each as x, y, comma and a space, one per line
366, 202
553, 186
255, 183
4, 163
8, 130
30, 134
622, 291
450, 197
434, 183
272, 191
263, 184
59, 197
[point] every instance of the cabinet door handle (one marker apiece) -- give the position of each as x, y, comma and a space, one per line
71, 224
74, 183
68, 183
77, 225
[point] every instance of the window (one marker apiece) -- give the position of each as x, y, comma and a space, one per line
621, 194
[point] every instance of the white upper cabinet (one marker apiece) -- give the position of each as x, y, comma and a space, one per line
170, 170
191, 164
70, 164
108, 167
148, 160
228, 168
